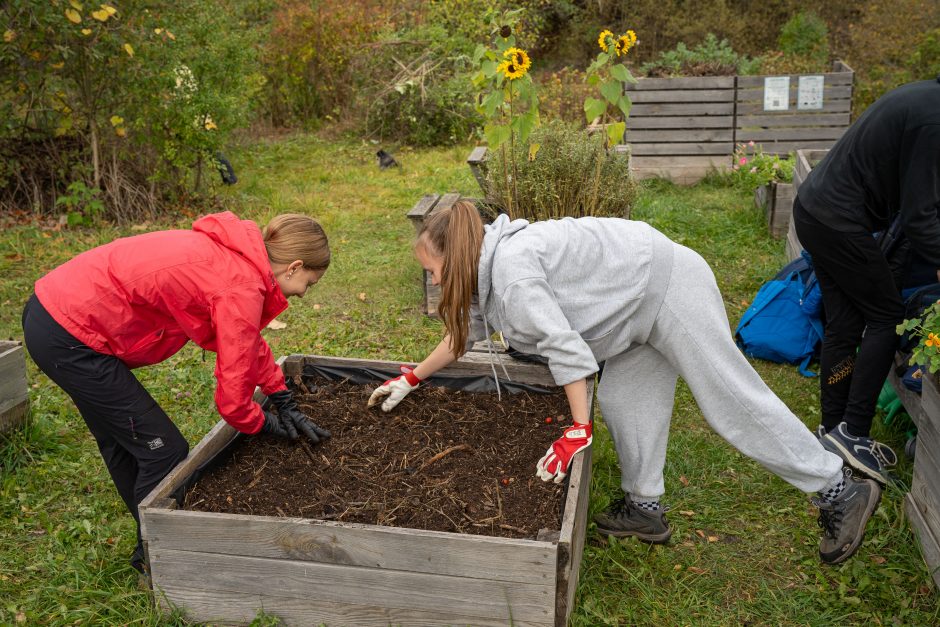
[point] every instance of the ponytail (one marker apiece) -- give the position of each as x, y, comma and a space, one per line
455, 234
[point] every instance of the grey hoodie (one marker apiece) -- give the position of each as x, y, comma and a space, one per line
576, 291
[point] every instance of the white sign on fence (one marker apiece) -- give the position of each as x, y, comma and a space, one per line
810, 92
776, 93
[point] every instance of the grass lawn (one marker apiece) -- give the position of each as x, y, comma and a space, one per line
744, 544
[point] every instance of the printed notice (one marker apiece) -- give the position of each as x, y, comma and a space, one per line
776, 93
810, 92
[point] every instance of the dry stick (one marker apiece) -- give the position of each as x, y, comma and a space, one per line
306, 448
445, 452
511, 528
257, 476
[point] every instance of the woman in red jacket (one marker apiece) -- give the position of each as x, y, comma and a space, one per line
138, 300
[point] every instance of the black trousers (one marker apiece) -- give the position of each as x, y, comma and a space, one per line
139, 443
863, 306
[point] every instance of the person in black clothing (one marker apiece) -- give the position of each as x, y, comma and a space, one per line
885, 170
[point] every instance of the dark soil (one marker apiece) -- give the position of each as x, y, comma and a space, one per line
442, 460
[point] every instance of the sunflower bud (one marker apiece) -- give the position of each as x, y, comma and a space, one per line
505, 32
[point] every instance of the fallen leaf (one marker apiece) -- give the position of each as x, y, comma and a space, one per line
696, 570
86, 31
362, 295
73, 16
713, 538
700, 533
14, 257
316, 306
686, 512
9, 35
878, 559
101, 16
129, 49
140, 227
277, 325
684, 480
20, 617
76, 5
677, 567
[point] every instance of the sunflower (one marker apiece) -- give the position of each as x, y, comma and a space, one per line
515, 65
602, 39
625, 42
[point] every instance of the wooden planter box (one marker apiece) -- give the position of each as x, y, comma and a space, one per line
227, 567
13, 389
681, 128
806, 160
922, 503
776, 201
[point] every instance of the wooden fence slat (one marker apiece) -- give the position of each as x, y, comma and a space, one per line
791, 134
679, 96
929, 546
786, 147
688, 82
771, 120
202, 607
830, 93
659, 136
677, 122
451, 596
715, 148
683, 108
346, 544
831, 106
13, 388
835, 79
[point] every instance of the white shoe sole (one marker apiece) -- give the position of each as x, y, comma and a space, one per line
855, 464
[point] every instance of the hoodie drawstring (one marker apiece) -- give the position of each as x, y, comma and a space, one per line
491, 350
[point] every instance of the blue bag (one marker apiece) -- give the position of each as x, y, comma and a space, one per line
784, 324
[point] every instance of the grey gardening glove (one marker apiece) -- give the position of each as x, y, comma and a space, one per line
295, 421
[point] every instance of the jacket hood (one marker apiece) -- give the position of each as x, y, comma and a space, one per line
502, 228
244, 238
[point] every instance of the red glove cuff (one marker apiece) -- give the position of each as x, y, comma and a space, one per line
409, 374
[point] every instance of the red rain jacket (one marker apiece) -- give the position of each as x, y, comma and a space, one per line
142, 298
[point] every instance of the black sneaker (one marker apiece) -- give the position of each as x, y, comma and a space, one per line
622, 519
820, 432
865, 455
843, 520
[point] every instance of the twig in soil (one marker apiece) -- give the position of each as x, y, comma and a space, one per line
442, 454
257, 476
306, 448
281, 512
511, 528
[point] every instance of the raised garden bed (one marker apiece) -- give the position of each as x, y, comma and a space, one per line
922, 503
13, 389
806, 160
329, 568
776, 201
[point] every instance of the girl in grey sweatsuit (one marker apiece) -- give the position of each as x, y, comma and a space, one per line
583, 291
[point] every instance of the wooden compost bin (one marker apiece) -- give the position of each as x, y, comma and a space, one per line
776, 201
227, 567
922, 503
806, 160
681, 128
13, 390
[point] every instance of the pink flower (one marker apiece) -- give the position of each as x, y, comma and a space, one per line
751, 143
742, 161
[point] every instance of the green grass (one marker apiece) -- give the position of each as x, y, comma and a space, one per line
65, 537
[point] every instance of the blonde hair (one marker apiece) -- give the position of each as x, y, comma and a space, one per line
455, 234
292, 236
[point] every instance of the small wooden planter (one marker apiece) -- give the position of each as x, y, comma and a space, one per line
13, 389
227, 567
776, 201
806, 160
922, 503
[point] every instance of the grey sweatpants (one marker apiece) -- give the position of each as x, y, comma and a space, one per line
691, 338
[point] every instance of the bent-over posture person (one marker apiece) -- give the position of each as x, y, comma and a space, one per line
589, 290
885, 168
136, 301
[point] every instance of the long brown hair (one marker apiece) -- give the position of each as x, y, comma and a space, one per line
292, 236
456, 235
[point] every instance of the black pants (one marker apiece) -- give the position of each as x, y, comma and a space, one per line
863, 306
139, 443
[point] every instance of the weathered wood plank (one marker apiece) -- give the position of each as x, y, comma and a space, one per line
680, 96
683, 149
683, 108
684, 170
241, 609
422, 208
787, 146
806, 160
347, 544
684, 135
678, 122
13, 388
929, 546
574, 526
315, 582
684, 83
791, 134
794, 248
830, 106
830, 79
926, 500
477, 163
927, 471
930, 402
831, 93
769, 120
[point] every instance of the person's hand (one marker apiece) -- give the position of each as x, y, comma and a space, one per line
556, 461
293, 421
396, 389
272, 425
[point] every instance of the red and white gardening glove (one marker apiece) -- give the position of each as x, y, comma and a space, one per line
396, 389
554, 465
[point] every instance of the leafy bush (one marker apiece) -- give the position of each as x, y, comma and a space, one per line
710, 58
926, 328
752, 167
805, 35
571, 174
